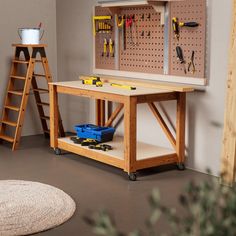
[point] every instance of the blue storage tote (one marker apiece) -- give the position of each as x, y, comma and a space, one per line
99, 133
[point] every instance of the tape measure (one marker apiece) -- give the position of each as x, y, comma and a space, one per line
123, 86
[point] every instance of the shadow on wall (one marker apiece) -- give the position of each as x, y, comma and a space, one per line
204, 133
208, 41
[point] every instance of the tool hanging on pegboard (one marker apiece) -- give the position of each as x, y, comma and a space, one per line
104, 27
191, 64
105, 52
130, 24
121, 24
176, 26
101, 24
111, 48
180, 57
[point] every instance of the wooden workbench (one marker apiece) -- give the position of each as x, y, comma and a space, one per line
127, 153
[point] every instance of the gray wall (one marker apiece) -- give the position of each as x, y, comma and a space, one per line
205, 109
16, 14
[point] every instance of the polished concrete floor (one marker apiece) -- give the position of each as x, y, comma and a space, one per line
93, 185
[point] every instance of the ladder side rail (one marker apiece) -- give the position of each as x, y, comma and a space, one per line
40, 107
23, 103
10, 86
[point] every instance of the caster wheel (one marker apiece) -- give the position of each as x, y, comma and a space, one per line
57, 151
132, 176
181, 166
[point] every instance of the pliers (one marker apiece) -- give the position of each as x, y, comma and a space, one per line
191, 64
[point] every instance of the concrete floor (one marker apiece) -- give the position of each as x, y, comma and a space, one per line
93, 185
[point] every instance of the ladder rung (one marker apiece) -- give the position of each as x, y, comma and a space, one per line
7, 122
45, 117
17, 77
7, 138
39, 75
38, 60
42, 104
41, 90
12, 108
19, 93
20, 61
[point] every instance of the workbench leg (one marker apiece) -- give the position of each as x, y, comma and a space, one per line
53, 116
103, 109
100, 112
130, 133
180, 128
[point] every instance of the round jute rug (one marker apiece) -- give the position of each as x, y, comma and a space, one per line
30, 207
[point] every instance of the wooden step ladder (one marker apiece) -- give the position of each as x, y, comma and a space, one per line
22, 78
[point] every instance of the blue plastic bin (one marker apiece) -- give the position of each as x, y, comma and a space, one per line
99, 133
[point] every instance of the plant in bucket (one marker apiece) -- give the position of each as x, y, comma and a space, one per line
31, 35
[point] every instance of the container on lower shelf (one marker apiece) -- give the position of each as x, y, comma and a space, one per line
99, 133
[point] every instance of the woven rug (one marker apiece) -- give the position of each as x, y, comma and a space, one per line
31, 207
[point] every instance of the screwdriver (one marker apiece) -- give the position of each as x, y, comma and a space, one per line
188, 24
181, 57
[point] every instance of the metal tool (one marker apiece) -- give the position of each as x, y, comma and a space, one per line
175, 26
117, 44
128, 25
181, 57
123, 86
192, 64
121, 24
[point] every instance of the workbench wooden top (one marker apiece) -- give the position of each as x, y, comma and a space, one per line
107, 88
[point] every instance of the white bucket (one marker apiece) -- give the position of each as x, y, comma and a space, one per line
30, 35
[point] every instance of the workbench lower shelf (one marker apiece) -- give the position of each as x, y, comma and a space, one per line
147, 155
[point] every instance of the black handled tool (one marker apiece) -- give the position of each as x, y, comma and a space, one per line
181, 57
180, 54
188, 24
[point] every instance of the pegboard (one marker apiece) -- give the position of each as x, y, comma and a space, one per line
191, 39
144, 42
104, 61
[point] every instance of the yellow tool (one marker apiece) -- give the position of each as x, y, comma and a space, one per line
120, 21
93, 81
105, 47
123, 86
111, 48
175, 26
95, 18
